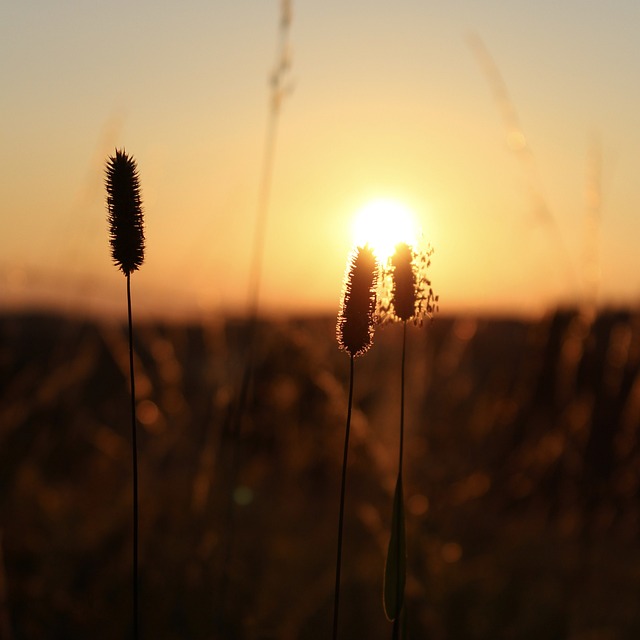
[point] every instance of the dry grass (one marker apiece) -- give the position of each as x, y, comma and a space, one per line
521, 480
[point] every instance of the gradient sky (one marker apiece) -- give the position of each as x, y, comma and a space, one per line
389, 99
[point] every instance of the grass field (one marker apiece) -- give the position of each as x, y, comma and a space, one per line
522, 476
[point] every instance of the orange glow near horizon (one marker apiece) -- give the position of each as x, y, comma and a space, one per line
411, 141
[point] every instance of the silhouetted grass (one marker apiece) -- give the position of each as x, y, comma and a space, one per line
410, 298
126, 234
354, 332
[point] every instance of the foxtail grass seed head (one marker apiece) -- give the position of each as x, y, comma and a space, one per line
357, 310
124, 205
406, 292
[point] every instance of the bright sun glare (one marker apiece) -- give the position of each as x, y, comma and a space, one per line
383, 224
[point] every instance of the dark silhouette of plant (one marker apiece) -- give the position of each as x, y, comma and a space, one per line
126, 232
411, 298
354, 332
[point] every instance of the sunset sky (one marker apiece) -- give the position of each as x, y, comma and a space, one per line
511, 129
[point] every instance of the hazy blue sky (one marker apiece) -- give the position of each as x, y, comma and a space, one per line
389, 99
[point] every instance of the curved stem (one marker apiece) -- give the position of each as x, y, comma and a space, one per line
336, 602
134, 450
396, 622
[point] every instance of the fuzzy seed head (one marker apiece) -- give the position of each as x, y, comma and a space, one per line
124, 205
406, 292
357, 310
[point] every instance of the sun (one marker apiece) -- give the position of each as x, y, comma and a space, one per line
382, 224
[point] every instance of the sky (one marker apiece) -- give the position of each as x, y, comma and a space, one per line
510, 129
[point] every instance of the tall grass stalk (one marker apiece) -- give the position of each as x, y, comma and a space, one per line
410, 298
126, 228
398, 536
279, 88
343, 489
354, 332
134, 461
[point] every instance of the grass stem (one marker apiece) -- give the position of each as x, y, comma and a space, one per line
134, 451
399, 596
238, 409
402, 368
343, 486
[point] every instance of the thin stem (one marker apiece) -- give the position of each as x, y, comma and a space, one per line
257, 253
255, 278
396, 622
402, 367
273, 117
134, 451
336, 602
255, 274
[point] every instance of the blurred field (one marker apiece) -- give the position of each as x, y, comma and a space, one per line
522, 476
